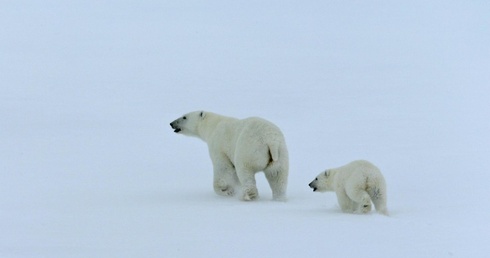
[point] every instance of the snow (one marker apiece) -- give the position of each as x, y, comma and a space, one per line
89, 166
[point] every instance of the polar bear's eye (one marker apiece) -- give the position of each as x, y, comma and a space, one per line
316, 179
184, 118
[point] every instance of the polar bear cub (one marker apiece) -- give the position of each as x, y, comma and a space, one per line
239, 148
356, 185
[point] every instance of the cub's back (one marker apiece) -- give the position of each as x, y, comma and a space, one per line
358, 170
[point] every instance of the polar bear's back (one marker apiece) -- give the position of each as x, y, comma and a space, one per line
260, 142
361, 173
359, 166
261, 128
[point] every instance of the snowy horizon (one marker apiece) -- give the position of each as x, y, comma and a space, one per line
91, 168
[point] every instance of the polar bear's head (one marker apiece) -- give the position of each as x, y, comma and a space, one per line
188, 123
323, 182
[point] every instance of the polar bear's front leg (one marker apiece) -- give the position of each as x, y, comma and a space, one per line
224, 177
346, 204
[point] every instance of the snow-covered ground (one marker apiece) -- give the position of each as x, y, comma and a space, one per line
89, 166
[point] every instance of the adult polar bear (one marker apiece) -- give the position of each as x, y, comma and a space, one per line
356, 185
239, 148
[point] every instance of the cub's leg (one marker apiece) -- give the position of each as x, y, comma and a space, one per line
346, 204
361, 199
378, 195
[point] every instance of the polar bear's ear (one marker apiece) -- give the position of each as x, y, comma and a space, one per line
202, 114
326, 173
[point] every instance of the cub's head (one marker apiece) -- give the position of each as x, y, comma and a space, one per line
322, 182
188, 123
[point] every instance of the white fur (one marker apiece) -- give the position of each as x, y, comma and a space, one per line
238, 149
356, 185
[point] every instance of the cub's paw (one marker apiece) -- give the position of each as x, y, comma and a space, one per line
365, 208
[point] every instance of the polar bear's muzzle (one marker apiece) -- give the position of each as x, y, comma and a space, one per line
313, 185
175, 127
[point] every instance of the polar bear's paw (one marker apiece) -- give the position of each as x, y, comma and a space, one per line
222, 188
228, 191
250, 194
364, 207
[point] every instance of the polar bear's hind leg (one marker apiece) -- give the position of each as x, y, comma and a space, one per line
247, 180
378, 195
277, 172
278, 183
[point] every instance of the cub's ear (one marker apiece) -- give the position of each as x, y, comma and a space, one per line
326, 173
202, 114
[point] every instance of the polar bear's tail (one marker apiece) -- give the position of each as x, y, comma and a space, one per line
273, 152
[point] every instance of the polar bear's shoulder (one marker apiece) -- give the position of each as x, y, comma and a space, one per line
259, 123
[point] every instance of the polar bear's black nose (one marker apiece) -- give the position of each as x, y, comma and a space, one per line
175, 127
